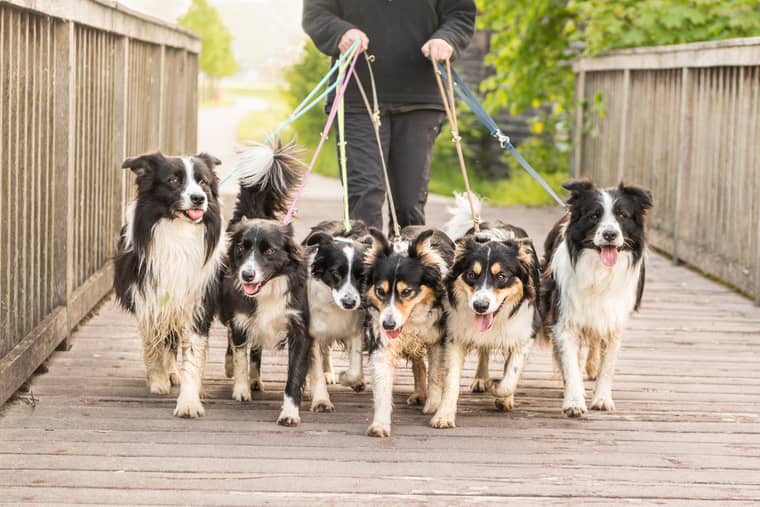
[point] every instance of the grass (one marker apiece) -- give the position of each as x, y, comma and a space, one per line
519, 190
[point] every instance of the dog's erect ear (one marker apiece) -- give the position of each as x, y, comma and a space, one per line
423, 249
526, 255
210, 160
640, 195
143, 164
319, 238
379, 247
421, 244
578, 186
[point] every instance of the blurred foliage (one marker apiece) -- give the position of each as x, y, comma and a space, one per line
216, 59
534, 42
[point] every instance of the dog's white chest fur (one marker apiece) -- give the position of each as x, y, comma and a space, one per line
327, 321
594, 296
506, 333
268, 326
177, 273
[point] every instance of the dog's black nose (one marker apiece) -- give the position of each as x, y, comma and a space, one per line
480, 306
197, 199
348, 302
248, 276
609, 235
389, 324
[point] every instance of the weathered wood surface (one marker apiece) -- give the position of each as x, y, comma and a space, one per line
687, 426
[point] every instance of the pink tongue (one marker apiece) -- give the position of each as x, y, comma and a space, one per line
609, 255
484, 322
251, 288
393, 334
195, 214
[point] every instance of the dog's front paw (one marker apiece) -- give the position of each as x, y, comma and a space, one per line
505, 404
355, 383
288, 419
322, 406
480, 385
416, 399
189, 405
379, 430
574, 407
241, 392
330, 378
603, 403
431, 406
257, 385
443, 421
160, 385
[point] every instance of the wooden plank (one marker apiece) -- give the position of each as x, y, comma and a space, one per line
580, 90
684, 132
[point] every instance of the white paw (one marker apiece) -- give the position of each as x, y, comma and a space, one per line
355, 383
442, 421
189, 405
603, 403
416, 399
241, 392
574, 407
505, 404
480, 385
322, 406
160, 385
379, 430
431, 406
330, 378
289, 415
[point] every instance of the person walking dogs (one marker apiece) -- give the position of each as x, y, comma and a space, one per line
403, 35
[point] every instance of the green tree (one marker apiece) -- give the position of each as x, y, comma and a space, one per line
534, 42
216, 59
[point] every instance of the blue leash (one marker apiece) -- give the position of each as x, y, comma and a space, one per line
306, 104
477, 108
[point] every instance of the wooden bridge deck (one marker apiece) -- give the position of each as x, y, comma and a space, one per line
687, 425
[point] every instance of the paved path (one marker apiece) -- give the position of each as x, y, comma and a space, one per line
687, 426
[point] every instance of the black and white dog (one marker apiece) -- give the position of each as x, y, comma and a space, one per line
166, 269
263, 298
406, 296
592, 280
493, 289
336, 313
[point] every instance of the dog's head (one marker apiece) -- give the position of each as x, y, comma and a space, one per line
261, 250
184, 188
607, 220
338, 263
491, 275
403, 280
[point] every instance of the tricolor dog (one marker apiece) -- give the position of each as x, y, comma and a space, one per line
592, 280
406, 296
166, 268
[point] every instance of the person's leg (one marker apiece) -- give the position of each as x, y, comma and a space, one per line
366, 187
413, 135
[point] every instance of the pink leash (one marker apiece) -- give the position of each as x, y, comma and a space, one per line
330, 119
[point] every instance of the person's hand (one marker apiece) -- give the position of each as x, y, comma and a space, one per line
350, 36
437, 50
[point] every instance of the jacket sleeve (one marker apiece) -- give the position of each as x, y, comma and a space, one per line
321, 21
457, 23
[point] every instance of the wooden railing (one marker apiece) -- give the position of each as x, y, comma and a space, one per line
685, 121
83, 83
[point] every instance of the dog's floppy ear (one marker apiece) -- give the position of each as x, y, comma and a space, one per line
578, 186
210, 160
318, 238
640, 195
143, 164
423, 249
528, 259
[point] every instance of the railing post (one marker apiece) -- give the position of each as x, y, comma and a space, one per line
624, 124
121, 92
684, 132
161, 85
580, 93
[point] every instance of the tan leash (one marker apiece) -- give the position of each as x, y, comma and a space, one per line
451, 113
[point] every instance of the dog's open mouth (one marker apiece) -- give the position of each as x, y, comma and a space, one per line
251, 289
609, 255
196, 215
394, 333
484, 321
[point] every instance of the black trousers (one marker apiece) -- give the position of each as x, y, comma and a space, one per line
407, 139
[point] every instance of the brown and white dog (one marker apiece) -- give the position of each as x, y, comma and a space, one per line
406, 297
593, 279
493, 289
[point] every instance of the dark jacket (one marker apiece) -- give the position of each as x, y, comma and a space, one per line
397, 29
